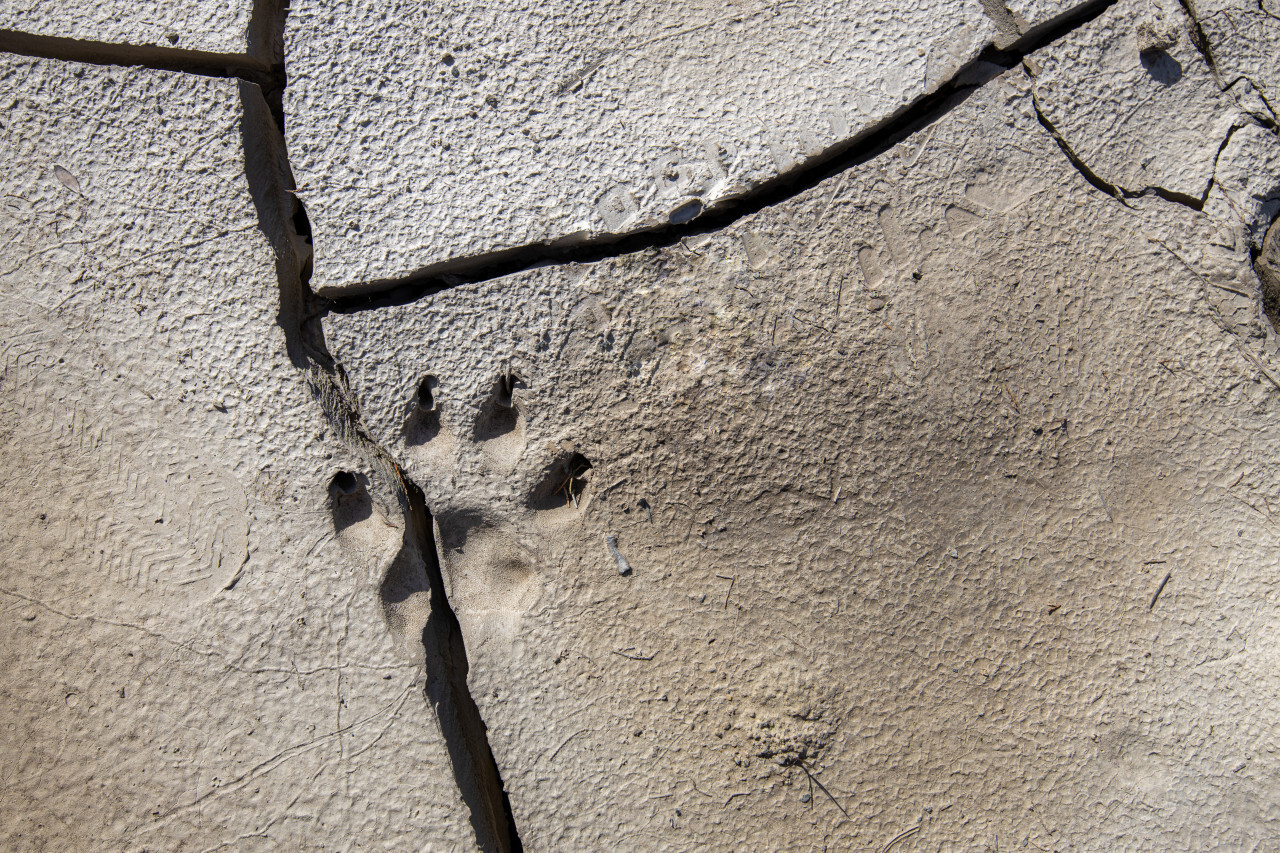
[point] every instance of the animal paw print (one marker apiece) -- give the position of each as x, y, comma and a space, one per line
497, 498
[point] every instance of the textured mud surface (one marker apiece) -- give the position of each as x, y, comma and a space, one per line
640, 427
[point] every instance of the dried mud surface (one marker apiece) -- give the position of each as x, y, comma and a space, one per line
414, 445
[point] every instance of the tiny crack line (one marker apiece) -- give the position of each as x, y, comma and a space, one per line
1216, 315
1270, 121
860, 148
1092, 177
228, 664
269, 764
1201, 42
1217, 157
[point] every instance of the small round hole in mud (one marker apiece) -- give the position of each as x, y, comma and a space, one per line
564, 483
344, 483
504, 389
422, 424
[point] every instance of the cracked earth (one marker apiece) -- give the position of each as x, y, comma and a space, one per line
649, 426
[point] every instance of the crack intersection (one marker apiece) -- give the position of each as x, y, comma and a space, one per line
252, 66
1115, 191
417, 569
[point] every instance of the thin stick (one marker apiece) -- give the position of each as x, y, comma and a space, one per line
729, 592
564, 743
815, 780
632, 657
1159, 590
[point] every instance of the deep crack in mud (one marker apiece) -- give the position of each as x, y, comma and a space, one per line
417, 568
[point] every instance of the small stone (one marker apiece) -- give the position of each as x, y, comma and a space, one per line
1156, 35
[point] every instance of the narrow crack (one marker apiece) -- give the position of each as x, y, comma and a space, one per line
447, 665
262, 63
1270, 120
262, 76
1204, 45
261, 70
852, 152
264, 66
417, 569
252, 66
1115, 191
1094, 179
281, 217
266, 41
1199, 40
1217, 157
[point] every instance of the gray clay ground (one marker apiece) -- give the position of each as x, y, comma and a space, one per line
646, 426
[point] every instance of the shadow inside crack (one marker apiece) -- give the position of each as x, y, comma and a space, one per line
279, 217
861, 147
413, 595
1266, 264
